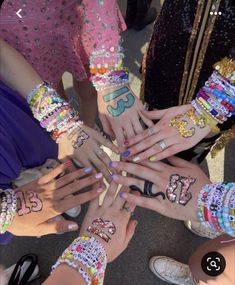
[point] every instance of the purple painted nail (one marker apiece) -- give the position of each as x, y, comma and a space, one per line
123, 195
125, 153
113, 164
87, 169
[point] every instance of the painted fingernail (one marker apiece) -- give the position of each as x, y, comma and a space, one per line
135, 159
152, 158
87, 169
69, 162
126, 143
98, 175
100, 190
113, 177
135, 188
125, 153
113, 164
72, 227
123, 195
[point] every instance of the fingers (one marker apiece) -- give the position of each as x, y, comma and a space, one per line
54, 173
79, 199
171, 150
129, 131
130, 231
78, 185
106, 125
119, 133
110, 195
154, 115
128, 181
179, 162
100, 165
146, 121
107, 143
134, 169
156, 165
54, 227
67, 179
148, 203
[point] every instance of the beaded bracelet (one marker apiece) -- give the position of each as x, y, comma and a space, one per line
216, 207
53, 113
8, 209
90, 253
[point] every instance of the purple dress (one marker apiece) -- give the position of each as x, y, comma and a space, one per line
23, 143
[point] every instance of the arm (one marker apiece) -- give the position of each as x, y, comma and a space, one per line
15, 71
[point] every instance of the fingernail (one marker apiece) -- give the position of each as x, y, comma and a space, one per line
100, 190
114, 177
98, 175
72, 227
87, 169
126, 143
135, 159
125, 153
152, 158
113, 164
135, 188
123, 195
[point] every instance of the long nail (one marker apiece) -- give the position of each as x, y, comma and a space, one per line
136, 159
135, 188
87, 169
125, 153
113, 164
98, 175
123, 195
73, 227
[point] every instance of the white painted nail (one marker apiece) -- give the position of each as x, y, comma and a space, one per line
135, 159
73, 227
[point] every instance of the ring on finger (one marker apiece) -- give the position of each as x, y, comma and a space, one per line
128, 209
162, 144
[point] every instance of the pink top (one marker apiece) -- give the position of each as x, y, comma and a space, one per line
59, 35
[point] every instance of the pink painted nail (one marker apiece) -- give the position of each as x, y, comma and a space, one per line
123, 195
100, 190
98, 175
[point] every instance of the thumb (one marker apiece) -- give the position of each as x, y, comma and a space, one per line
54, 227
130, 231
154, 115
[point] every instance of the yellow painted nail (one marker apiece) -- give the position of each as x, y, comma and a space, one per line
153, 158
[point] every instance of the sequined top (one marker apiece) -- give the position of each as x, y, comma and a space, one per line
59, 35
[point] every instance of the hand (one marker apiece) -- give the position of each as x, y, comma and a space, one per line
119, 113
46, 198
175, 186
163, 140
111, 210
84, 145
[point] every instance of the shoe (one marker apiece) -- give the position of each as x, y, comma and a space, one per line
140, 22
200, 230
171, 271
24, 271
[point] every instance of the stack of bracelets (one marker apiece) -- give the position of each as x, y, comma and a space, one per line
53, 112
216, 207
8, 209
91, 254
215, 102
107, 69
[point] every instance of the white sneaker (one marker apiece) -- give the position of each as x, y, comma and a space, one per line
200, 230
171, 271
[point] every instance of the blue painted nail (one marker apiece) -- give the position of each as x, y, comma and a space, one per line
87, 169
125, 153
123, 195
113, 164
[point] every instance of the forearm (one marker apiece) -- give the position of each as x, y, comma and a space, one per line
15, 71
65, 275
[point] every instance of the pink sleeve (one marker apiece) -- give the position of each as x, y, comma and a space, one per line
102, 25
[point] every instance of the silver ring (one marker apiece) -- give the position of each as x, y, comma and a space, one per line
99, 152
128, 209
162, 145
150, 132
